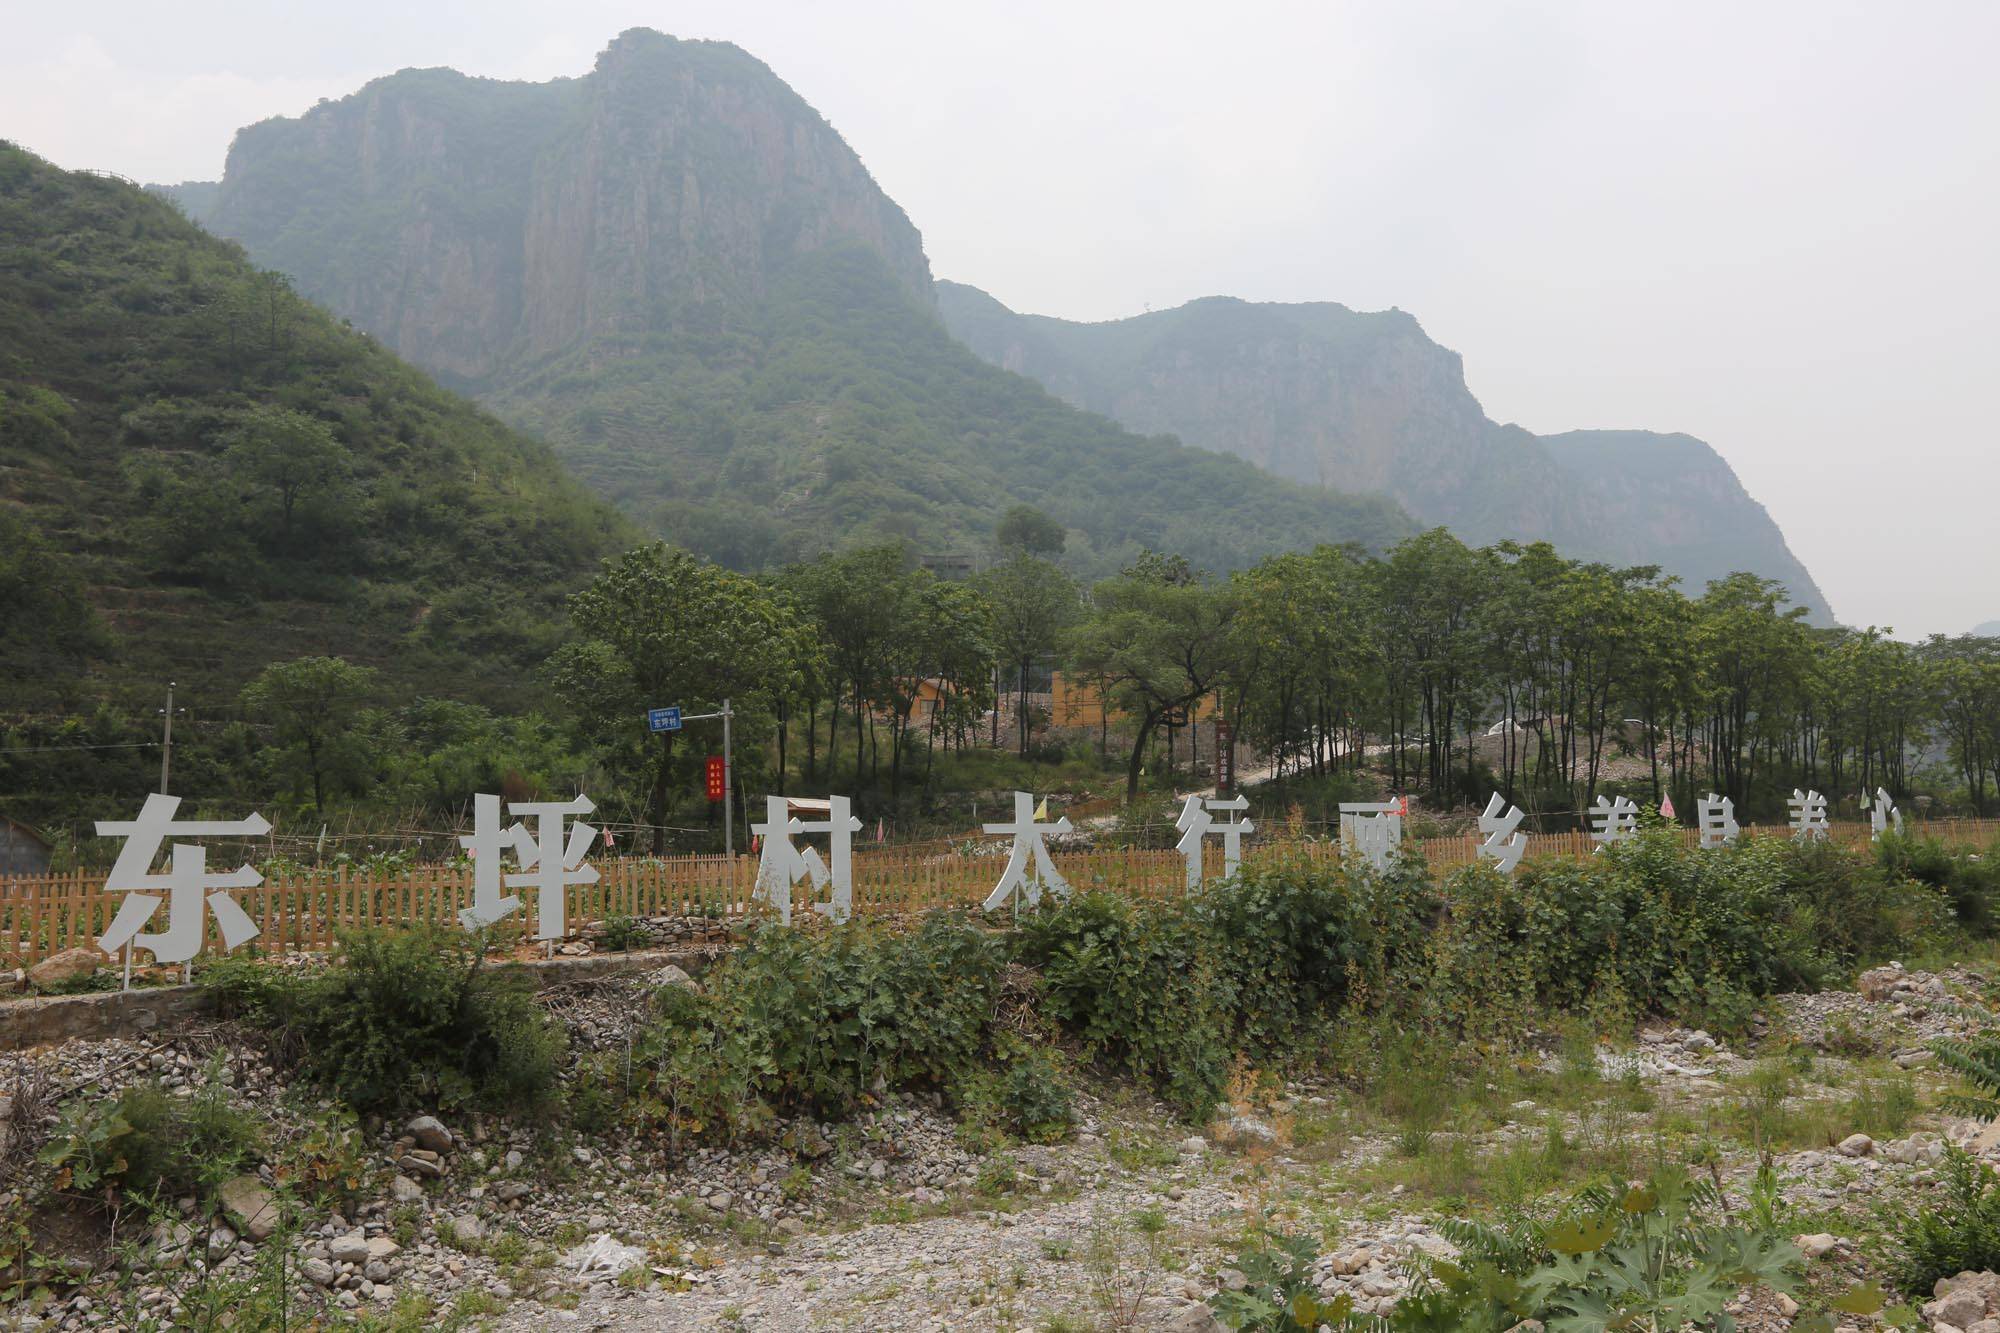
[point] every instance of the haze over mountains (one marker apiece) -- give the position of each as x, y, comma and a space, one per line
679, 274
1330, 396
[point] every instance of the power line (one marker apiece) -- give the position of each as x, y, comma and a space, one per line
51, 749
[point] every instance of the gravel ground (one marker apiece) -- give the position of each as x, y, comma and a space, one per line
898, 1222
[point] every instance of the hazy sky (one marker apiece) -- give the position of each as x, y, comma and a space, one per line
1770, 225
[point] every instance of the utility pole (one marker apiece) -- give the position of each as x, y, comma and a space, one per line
728, 788
728, 772
167, 739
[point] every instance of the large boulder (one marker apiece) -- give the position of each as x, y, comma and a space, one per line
1880, 983
69, 965
350, 1248
430, 1134
1965, 1300
250, 1206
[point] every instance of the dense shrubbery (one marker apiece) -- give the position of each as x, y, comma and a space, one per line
1260, 970
1257, 967
405, 1020
1971, 883
1662, 1255
816, 1023
1655, 926
150, 1143
1134, 985
1961, 1233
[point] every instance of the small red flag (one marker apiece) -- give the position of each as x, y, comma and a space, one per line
1666, 807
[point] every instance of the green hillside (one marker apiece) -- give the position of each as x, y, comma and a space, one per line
201, 473
846, 414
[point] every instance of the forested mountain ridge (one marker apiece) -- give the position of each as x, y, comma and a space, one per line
1366, 401
679, 274
201, 473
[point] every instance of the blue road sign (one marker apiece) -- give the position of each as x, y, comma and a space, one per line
663, 719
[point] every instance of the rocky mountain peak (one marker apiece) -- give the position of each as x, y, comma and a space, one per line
474, 223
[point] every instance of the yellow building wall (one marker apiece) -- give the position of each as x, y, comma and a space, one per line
1079, 703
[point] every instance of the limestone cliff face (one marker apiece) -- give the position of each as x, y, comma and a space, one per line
677, 273
477, 225
1329, 396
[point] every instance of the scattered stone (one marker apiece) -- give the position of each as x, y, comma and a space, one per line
1880, 983
246, 1200
1816, 1245
602, 1257
1244, 1131
1856, 1145
404, 1190
430, 1134
351, 1248
69, 965
318, 1272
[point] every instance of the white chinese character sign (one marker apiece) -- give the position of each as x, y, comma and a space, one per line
1197, 821
1883, 816
1372, 828
781, 864
1715, 816
485, 845
1615, 821
191, 889
1809, 821
550, 859
1029, 871
1501, 840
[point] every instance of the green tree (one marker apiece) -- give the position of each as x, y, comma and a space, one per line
289, 458
1160, 639
1307, 656
310, 703
860, 602
1029, 531
1033, 603
659, 627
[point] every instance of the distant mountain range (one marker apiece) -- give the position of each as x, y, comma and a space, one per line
1365, 401
677, 272
1990, 630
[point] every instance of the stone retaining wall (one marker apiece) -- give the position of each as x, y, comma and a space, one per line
45, 1019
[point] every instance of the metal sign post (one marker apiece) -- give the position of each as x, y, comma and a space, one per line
671, 719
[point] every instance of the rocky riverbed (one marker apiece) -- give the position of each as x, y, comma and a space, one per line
902, 1220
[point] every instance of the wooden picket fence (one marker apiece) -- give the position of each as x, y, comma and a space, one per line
42, 915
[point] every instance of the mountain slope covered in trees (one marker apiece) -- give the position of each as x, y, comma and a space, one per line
1365, 401
677, 272
202, 473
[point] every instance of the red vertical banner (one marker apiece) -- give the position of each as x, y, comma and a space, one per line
715, 777
1225, 757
